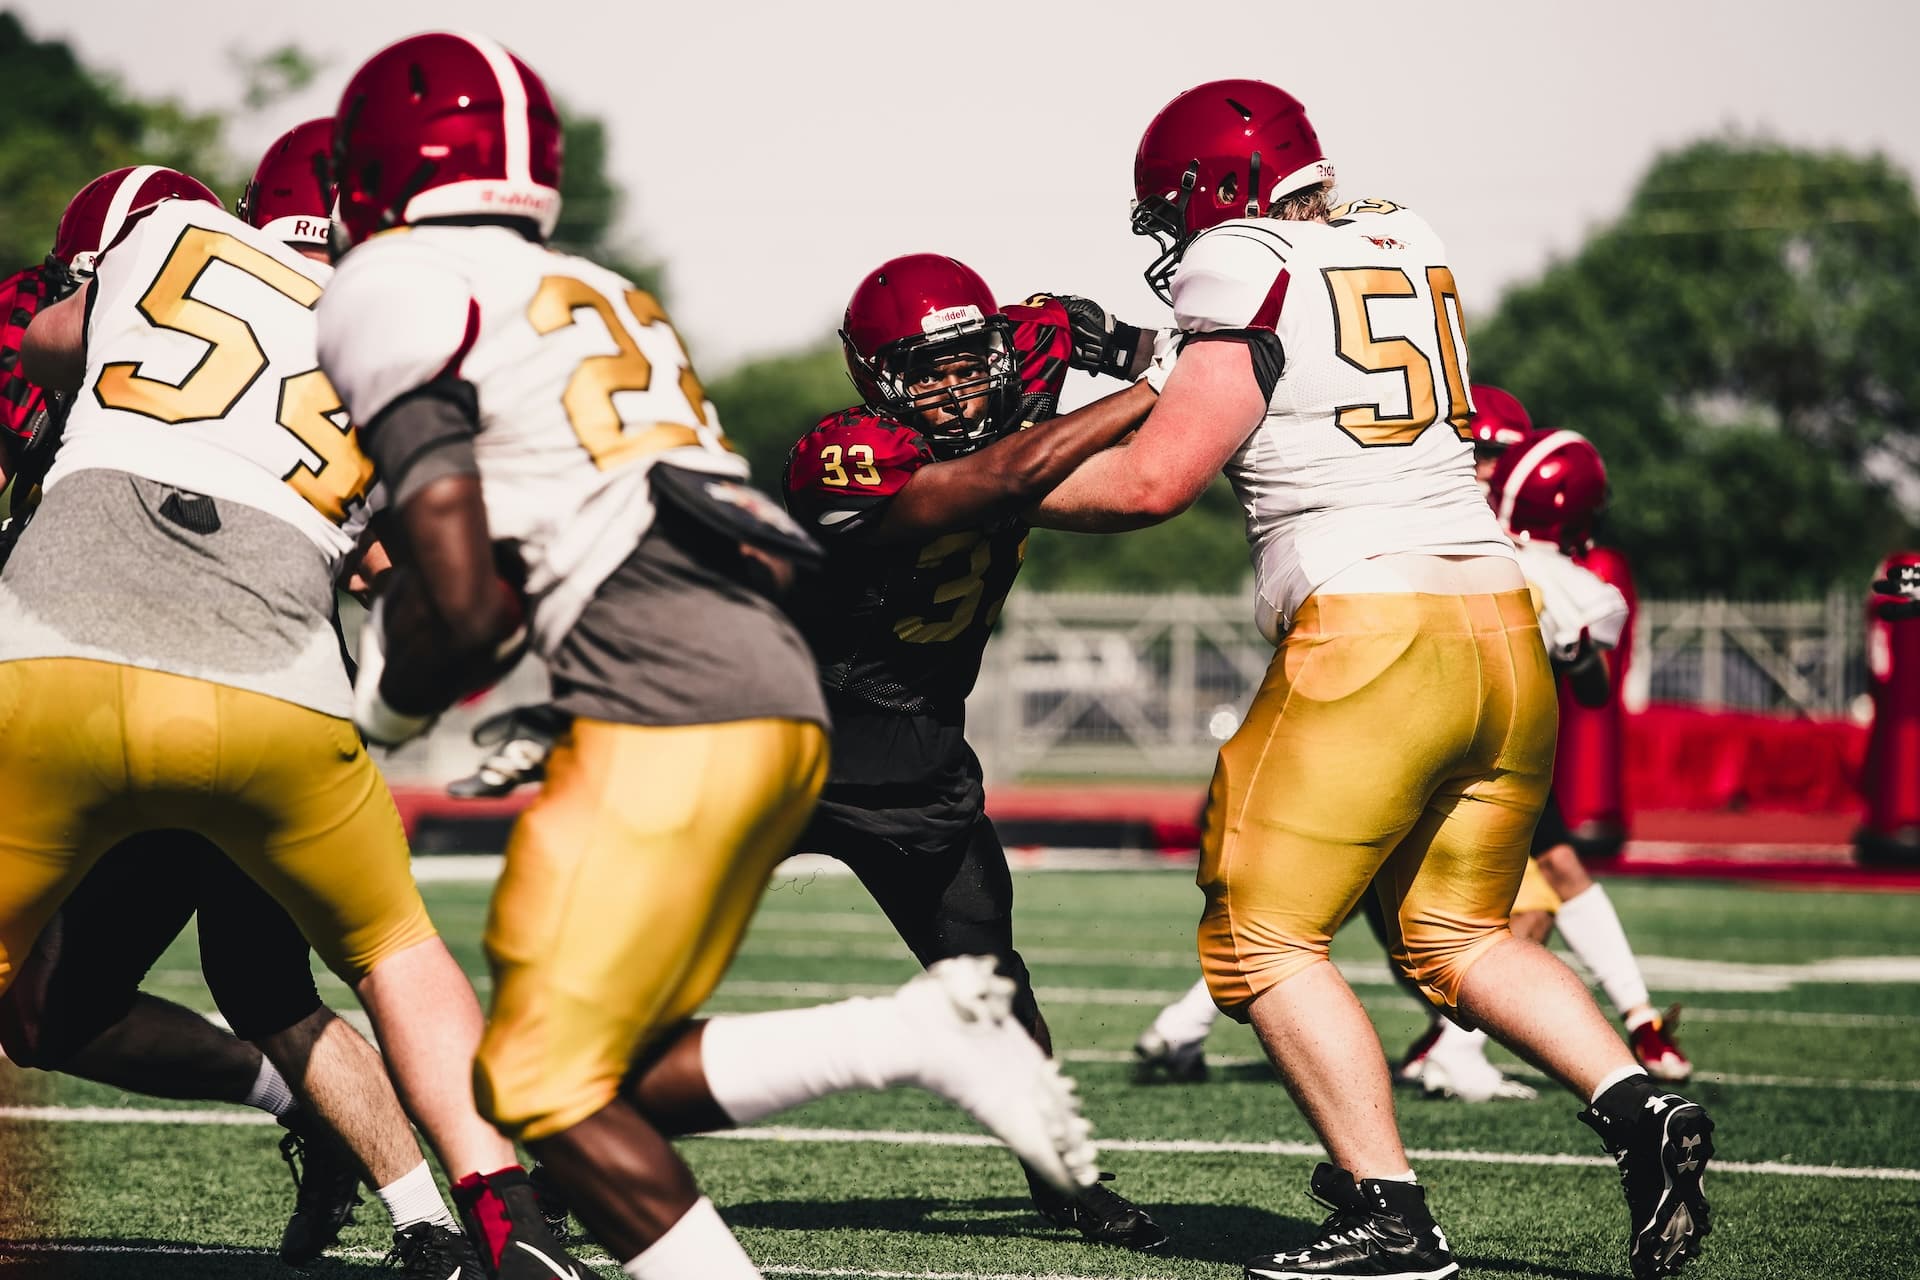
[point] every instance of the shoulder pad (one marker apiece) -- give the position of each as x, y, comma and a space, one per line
1233, 277
840, 472
391, 322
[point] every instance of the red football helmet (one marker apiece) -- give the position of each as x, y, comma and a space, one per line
443, 125
1227, 149
1499, 420
912, 322
291, 195
97, 216
1549, 487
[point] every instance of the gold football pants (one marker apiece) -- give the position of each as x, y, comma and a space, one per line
1403, 741
628, 886
1535, 893
97, 751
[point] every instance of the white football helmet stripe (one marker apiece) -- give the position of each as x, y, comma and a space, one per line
122, 204
1537, 452
513, 96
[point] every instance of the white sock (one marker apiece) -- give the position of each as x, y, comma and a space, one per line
760, 1064
698, 1247
1406, 1177
270, 1093
1189, 1018
412, 1199
1615, 1077
1593, 933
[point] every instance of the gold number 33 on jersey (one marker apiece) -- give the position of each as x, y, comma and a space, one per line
330, 473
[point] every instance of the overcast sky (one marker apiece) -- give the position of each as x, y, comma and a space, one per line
775, 152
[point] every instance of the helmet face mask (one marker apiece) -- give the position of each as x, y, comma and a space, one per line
926, 346
951, 385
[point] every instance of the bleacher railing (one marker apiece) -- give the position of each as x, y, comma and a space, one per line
1079, 684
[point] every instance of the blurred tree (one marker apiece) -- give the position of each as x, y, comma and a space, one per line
1739, 345
768, 403
591, 203
65, 126
1202, 549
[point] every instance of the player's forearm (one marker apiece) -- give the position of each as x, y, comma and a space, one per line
1011, 474
447, 544
1109, 493
53, 353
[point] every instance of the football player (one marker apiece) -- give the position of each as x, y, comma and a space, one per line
921, 494
1546, 491
1404, 736
556, 466
179, 579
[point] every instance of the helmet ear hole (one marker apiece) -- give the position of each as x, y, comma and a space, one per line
1228, 193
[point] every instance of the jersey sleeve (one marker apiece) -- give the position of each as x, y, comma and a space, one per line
1043, 340
1573, 602
390, 322
1231, 279
840, 474
22, 295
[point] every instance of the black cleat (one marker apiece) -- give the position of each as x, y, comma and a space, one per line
326, 1188
1102, 1216
1662, 1143
1155, 1060
504, 1223
552, 1201
524, 738
428, 1251
1379, 1230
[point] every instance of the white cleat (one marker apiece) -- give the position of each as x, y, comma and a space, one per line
960, 1015
1470, 1078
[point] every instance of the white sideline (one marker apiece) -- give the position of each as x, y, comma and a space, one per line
914, 1138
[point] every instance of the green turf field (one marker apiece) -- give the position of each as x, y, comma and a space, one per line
1803, 1014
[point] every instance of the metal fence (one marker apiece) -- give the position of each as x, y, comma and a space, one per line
1150, 685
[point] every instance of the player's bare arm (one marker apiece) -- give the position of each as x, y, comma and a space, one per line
1211, 403
1010, 474
54, 353
443, 633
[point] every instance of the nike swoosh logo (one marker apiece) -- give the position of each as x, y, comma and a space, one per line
551, 1265
837, 517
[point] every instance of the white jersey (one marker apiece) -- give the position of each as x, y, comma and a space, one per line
208, 487
582, 386
202, 373
1573, 602
1364, 448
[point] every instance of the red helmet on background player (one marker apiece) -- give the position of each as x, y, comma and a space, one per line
291, 195
926, 343
440, 126
1548, 488
1499, 420
1226, 149
100, 212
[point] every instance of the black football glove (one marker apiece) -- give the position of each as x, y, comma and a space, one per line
1101, 344
1905, 584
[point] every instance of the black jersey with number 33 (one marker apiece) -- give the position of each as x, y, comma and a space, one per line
902, 627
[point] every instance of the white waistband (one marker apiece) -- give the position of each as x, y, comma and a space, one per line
1422, 574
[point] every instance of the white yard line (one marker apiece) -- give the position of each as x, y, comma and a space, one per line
1516, 1069
915, 1138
